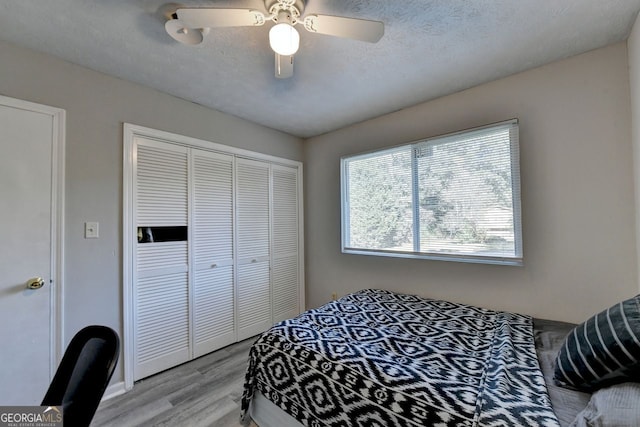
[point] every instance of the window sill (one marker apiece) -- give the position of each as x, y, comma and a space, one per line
473, 259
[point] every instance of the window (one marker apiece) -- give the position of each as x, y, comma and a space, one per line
454, 197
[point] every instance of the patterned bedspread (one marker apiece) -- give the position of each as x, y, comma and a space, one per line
377, 358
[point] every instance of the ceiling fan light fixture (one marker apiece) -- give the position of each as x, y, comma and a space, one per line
284, 39
189, 25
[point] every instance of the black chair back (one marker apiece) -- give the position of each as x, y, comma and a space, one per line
83, 374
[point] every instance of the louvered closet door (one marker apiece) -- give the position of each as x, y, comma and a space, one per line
252, 214
161, 305
212, 236
286, 268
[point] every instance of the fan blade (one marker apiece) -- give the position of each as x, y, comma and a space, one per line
339, 26
284, 66
216, 18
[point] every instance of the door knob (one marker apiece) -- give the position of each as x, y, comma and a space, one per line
35, 283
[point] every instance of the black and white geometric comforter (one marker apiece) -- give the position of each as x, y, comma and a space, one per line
376, 358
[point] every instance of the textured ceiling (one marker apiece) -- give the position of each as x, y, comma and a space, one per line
430, 48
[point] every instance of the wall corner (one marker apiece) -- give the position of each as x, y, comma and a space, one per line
633, 52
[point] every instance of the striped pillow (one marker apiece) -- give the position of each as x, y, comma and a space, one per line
602, 351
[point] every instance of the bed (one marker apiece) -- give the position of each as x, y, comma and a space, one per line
378, 358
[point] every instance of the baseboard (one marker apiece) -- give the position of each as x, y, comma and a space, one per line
114, 390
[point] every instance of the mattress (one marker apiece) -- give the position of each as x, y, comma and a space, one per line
379, 358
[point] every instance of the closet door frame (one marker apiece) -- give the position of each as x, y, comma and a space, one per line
129, 240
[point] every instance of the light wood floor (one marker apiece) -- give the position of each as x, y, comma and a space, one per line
205, 392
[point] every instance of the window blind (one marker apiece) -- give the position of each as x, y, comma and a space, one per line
454, 197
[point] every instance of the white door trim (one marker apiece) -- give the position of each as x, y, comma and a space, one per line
56, 321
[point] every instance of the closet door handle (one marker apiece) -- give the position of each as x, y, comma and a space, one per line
254, 260
214, 265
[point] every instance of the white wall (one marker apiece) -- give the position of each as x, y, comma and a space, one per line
96, 106
633, 48
577, 194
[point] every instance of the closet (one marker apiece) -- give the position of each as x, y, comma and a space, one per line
215, 247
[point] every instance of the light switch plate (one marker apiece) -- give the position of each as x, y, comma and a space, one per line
91, 230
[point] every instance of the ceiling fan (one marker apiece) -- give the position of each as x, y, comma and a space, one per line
191, 25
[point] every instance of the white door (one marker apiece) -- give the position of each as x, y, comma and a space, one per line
286, 277
161, 284
30, 143
253, 261
212, 249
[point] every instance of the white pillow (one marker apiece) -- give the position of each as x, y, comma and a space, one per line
614, 406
